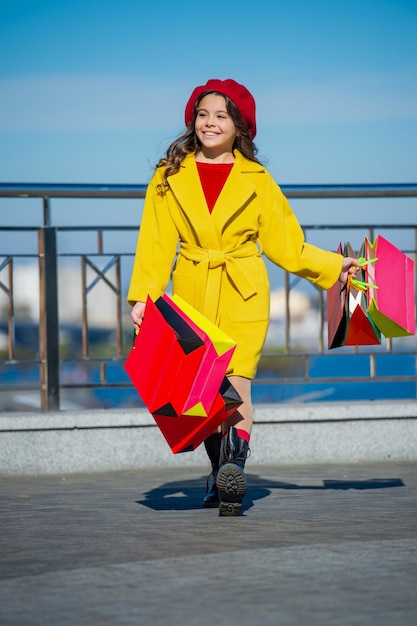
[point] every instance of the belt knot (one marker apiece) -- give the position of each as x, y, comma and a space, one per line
216, 258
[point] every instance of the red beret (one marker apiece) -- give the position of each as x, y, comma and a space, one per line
241, 97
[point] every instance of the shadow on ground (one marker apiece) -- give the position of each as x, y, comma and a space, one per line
188, 494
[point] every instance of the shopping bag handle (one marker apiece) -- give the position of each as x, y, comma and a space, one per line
361, 285
362, 261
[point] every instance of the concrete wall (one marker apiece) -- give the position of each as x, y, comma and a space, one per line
106, 440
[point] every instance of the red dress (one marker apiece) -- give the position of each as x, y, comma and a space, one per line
213, 177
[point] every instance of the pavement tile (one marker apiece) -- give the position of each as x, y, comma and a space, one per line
316, 544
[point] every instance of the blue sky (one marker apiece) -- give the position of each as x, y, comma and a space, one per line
91, 91
94, 91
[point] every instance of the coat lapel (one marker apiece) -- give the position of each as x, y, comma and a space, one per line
237, 190
186, 187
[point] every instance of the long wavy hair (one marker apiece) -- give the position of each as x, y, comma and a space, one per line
188, 142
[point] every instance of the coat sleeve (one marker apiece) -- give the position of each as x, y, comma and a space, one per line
283, 242
156, 248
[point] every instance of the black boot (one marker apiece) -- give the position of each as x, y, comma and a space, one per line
231, 479
212, 445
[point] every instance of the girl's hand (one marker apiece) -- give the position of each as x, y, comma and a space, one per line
350, 266
137, 314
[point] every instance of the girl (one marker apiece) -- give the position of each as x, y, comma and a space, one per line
213, 197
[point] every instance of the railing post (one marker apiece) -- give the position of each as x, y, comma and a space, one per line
48, 319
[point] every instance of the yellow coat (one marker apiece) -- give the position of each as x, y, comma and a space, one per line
218, 267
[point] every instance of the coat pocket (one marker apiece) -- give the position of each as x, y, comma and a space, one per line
255, 308
183, 280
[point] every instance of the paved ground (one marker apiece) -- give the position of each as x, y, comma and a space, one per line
319, 544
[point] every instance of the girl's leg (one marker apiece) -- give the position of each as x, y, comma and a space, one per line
231, 480
243, 417
213, 445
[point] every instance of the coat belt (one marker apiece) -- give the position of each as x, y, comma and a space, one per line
210, 264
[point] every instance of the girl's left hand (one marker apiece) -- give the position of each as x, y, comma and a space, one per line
350, 266
137, 315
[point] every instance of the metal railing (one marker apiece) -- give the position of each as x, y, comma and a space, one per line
47, 368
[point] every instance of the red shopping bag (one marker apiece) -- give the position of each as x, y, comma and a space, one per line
391, 304
348, 322
178, 367
219, 349
185, 433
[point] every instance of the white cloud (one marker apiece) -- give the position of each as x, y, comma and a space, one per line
88, 102
114, 103
353, 98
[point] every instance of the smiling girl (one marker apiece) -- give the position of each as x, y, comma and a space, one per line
211, 195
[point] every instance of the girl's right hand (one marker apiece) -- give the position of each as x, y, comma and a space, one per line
350, 266
137, 314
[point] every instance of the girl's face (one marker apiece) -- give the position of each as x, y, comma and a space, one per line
215, 129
